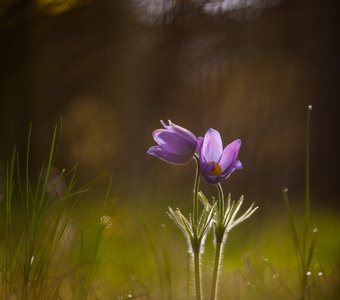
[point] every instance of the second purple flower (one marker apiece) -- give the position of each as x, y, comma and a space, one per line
217, 163
176, 144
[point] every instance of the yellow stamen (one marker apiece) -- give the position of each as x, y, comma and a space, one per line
216, 169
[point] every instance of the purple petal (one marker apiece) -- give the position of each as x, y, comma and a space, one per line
206, 168
164, 125
156, 133
213, 179
212, 145
199, 150
172, 143
235, 165
229, 155
185, 134
166, 156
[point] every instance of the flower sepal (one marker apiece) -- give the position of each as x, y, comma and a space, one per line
195, 234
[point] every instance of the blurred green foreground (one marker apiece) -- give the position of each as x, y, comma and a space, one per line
100, 247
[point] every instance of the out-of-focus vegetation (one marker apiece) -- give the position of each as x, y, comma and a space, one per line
259, 257
112, 69
62, 239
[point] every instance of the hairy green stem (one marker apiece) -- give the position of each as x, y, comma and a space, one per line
196, 243
219, 234
196, 189
220, 203
197, 274
218, 250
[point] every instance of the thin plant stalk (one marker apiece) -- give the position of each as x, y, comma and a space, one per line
307, 201
196, 190
219, 234
197, 275
196, 243
195, 229
166, 259
224, 220
307, 174
29, 255
304, 249
217, 259
157, 260
89, 255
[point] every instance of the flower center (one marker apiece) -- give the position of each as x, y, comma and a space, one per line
216, 169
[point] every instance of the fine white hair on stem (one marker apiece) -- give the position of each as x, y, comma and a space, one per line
225, 218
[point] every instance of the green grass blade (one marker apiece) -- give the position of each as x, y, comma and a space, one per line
149, 238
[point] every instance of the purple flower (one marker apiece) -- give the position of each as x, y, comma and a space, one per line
176, 144
217, 164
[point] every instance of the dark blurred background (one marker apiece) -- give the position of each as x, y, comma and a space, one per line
113, 69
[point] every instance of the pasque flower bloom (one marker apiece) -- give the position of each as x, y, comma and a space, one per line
217, 163
176, 144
